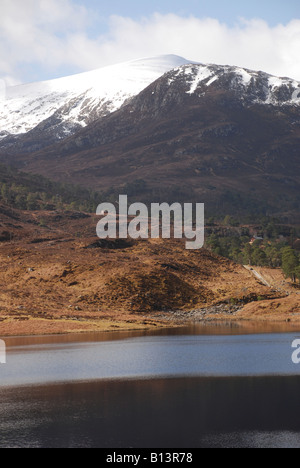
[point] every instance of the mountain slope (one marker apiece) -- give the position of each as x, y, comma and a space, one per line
225, 136
221, 135
65, 105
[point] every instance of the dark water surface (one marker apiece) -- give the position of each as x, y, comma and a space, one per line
211, 387
159, 413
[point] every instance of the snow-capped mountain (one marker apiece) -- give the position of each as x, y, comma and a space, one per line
51, 111
65, 105
225, 136
77, 100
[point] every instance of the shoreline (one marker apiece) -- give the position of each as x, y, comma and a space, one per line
43, 327
33, 327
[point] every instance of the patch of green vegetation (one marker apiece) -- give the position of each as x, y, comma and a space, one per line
34, 192
271, 247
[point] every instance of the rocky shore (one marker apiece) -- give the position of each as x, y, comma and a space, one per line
220, 311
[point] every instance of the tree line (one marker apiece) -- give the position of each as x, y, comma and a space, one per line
34, 192
274, 249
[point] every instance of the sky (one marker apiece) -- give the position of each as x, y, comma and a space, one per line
46, 39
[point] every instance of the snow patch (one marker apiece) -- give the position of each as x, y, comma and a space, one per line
296, 95
213, 79
203, 74
245, 76
275, 82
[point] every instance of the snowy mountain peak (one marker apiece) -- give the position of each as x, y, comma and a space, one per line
77, 100
251, 87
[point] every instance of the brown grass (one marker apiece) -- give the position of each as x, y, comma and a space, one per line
50, 282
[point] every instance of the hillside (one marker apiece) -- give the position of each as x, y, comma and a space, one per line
34, 192
56, 277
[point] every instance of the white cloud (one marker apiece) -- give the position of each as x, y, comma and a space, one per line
253, 44
51, 34
37, 32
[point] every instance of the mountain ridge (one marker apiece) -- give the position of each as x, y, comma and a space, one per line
61, 107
